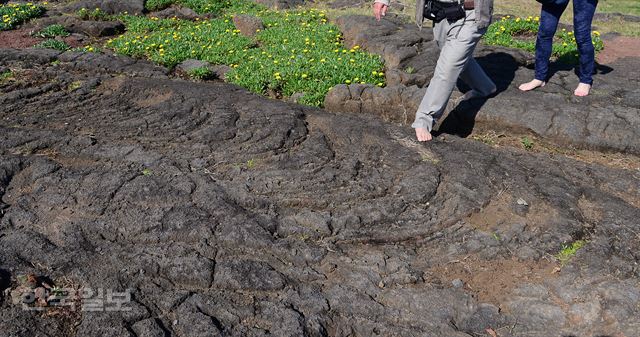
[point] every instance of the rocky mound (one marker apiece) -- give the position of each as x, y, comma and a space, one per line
609, 119
225, 213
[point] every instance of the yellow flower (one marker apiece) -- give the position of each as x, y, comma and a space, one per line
347, 81
596, 33
537, 18
304, 75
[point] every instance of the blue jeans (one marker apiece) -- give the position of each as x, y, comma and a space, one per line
583, 11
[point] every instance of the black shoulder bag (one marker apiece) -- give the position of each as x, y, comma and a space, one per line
438, 11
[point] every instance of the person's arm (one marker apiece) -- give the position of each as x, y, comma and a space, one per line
380, 8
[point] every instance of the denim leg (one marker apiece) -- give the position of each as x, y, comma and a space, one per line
583, 11
549, 17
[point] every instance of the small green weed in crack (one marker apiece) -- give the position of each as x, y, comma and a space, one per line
147, 172
569, 251
527, 143
496, 237
409, 70
74, 85
52, 31
5, 76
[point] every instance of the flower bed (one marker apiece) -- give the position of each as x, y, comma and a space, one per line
12, 15
516, 32
298, 51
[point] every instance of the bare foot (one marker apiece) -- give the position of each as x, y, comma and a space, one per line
423, 135
531, 85
582, 89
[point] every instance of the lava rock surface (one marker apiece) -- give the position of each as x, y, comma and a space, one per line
228, 214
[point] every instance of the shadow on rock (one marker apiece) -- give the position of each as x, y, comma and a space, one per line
561, 65
5, 280
501, 68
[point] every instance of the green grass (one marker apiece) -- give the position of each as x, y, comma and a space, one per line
506, 32
53, 44
569, 251
96, 14
299, 51
632, 7
52, 31
11, 15
201, 73
620, 6
199, 6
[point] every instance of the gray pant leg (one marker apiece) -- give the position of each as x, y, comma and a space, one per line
475, 77
461, 39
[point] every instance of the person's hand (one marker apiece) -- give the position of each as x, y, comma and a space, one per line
379, 10
423, 135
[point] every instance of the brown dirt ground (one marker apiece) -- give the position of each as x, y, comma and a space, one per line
21, 38
619, 47
493, 281
499, 211
624, 161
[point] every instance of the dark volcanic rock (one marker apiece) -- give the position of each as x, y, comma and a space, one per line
608, 119
248, 25
187, 66
225, 213
90, 28
179, 12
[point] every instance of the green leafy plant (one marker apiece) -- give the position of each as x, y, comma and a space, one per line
6, 75
409, 70
12, 15
200, 73
516, 32
527, 143
53, 44
52, 31
298, 51
155, 5
569, 251
147, 172
96, 15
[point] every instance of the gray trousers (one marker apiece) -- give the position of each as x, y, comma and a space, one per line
456, 41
